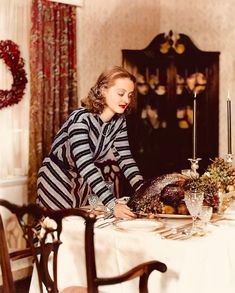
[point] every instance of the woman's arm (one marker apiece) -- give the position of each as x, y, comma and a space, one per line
79, 140
122, 152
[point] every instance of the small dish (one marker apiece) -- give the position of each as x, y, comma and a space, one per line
140, 225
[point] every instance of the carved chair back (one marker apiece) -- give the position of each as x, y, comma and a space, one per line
47, 239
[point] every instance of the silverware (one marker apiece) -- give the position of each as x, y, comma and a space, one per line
106, 221
181, 232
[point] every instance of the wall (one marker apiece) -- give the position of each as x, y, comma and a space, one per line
107, 27
14, 120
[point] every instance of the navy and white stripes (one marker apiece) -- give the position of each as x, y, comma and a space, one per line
69, 173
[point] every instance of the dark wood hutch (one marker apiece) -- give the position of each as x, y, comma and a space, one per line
169, 71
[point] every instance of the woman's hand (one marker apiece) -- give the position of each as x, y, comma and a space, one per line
123, 211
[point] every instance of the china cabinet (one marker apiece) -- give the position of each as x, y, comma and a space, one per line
170, 72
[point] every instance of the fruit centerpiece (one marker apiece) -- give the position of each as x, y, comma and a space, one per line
165, 194
219, 179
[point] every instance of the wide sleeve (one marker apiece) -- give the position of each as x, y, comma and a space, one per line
122, 152
78, 134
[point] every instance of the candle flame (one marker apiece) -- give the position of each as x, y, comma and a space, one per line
228, 95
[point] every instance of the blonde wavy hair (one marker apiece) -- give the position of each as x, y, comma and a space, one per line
95, 101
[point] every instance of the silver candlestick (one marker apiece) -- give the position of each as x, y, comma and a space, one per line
194, 167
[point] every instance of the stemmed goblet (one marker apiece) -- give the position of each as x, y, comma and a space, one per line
110, 186
205, 215
193, 201
93, 201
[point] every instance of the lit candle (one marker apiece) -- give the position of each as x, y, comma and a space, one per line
229, 125
194, 125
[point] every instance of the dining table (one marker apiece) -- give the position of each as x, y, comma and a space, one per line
201, 263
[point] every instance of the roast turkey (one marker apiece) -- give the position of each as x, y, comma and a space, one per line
164, 194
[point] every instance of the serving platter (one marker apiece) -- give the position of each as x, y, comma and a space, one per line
173, 216
141, 225
143, 215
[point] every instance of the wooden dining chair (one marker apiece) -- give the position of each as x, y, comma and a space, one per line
30, 218
16, 265
47, 240
111, 172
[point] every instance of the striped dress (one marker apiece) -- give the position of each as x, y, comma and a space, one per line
69, 173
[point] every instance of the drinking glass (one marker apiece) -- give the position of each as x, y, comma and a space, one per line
110, 186
193, 201
93, 201
205, 214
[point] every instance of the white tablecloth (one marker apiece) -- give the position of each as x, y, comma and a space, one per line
197, 265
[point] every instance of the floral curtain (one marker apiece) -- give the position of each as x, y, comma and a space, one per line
53, 78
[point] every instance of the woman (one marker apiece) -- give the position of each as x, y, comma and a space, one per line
69, 172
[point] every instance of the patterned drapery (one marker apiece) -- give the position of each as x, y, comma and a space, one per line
53, 78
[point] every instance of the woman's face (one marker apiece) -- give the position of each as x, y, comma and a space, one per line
118, 96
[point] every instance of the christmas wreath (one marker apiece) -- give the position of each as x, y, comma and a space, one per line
10, 53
